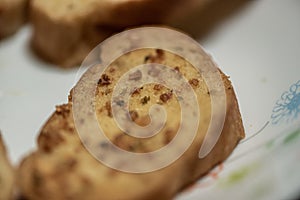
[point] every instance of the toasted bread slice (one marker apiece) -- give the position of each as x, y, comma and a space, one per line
7, 174
62, 168
12, 16
64, 32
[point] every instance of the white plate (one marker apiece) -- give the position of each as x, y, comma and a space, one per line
259, 48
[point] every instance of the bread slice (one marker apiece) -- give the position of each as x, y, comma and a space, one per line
7, 174
66, 31
12, 16
61, 168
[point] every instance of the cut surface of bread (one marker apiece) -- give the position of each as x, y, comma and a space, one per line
12, 16
61, 168
6, 174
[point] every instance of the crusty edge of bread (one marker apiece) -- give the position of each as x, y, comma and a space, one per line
232, 131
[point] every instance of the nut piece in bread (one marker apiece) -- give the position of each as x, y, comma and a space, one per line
12, 16
62, 168
7, 174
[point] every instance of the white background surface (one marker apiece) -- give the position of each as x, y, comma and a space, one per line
259, 48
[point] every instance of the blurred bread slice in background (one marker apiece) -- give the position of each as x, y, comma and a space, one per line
12, 16
7, 174
64, 32
200, 17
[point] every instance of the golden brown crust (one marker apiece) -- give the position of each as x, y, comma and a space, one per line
63, 169
12, 16
6, 174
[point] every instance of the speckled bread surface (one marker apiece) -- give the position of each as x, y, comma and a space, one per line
61, 168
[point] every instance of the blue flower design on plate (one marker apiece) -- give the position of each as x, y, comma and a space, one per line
287, 108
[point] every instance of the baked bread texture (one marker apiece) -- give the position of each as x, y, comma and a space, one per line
64, 32
12, 16
61, 168
7, 174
